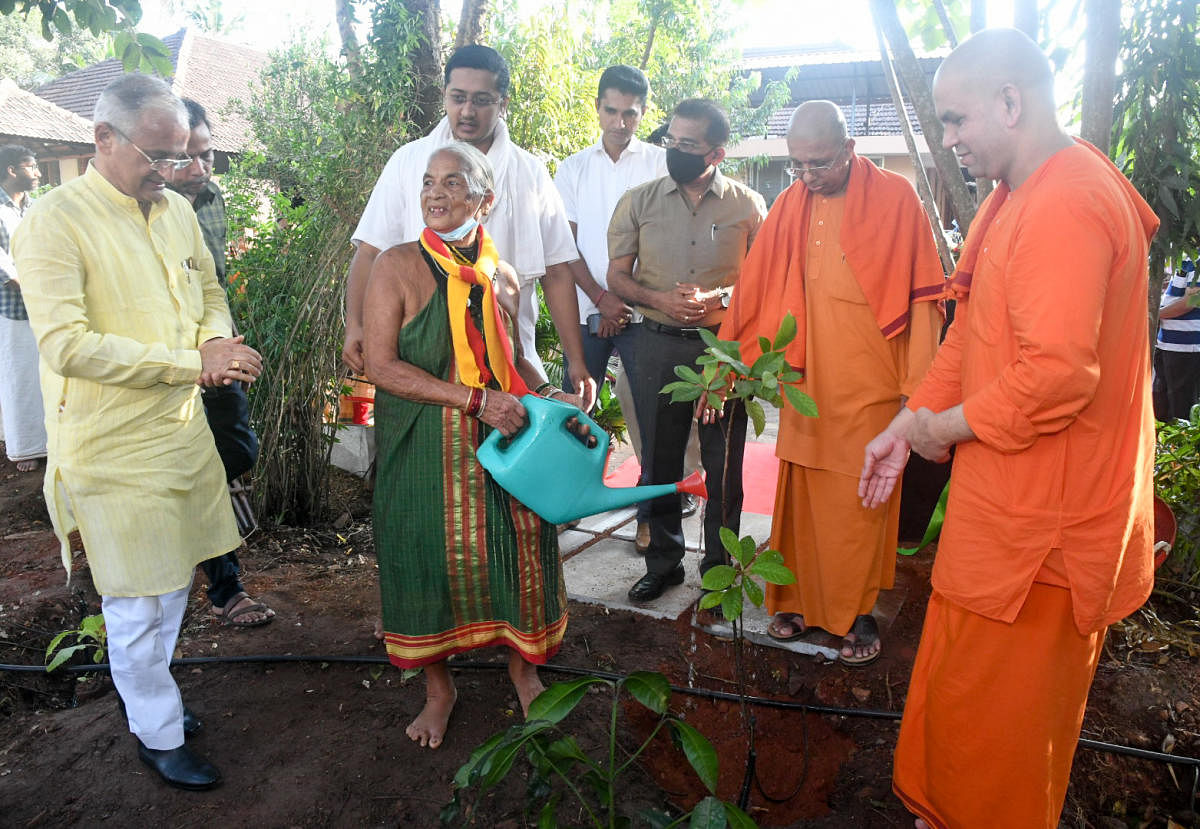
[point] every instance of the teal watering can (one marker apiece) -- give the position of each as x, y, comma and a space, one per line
549, 470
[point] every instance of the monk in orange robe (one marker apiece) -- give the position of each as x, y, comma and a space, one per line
1043, 383
850, 253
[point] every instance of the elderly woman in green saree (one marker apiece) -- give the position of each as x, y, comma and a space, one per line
462, 564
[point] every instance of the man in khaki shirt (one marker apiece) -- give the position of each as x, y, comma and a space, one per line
688, 234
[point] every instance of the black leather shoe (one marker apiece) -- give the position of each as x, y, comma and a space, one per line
191, 723
180, 768
650, 586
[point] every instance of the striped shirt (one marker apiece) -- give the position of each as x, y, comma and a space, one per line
1183, 332
11, 304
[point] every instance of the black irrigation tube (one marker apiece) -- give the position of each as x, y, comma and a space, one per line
764, 702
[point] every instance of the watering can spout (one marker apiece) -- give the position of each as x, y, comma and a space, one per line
550, 470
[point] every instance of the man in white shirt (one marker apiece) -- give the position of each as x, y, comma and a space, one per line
527, 221
591, 183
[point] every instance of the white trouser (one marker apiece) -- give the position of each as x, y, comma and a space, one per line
141, 639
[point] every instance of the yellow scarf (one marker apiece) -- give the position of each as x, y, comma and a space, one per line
468, 344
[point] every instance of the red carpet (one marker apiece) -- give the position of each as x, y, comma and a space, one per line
760, 471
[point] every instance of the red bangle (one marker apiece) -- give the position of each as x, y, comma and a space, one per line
599, 299
474, 402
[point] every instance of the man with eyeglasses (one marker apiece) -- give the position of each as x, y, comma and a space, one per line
20, 397
676, 246
225, 407
130, 321
527, 222
849, 251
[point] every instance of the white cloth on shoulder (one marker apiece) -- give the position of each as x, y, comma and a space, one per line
20, 392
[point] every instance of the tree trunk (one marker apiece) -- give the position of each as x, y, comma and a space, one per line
1102, 41
923, 188
427, 65
1025, 17
947, 26
921, 96
344, 11
470, 23
650, 41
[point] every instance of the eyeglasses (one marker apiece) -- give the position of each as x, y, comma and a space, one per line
796, 171
162, 166
479, 100
685, 145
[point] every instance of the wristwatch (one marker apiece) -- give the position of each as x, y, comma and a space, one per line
726, 293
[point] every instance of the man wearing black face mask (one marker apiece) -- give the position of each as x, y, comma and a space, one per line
688, 234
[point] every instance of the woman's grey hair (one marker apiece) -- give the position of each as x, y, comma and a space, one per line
124, 101
476, 169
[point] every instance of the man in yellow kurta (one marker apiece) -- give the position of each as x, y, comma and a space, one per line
850, 252
123, 298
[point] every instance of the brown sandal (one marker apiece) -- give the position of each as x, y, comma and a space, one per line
234, 618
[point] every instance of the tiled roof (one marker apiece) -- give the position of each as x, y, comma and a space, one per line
210, 71
25, 115
861, 119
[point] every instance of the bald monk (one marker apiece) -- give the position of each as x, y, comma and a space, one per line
851, 252
1043, 383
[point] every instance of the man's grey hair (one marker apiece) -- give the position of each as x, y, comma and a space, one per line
475, 167
126, 100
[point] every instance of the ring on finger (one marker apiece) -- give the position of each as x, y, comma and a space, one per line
235, 365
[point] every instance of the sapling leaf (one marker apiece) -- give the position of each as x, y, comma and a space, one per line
656, 819
738, 819
757, 416
711, 340
63, 655
773, 573
731, 603
710, 599
560, 699
786, 333
753, 592
718, 577
687, 373
763, 343
698, 751
55, 641
770, 557
565, 748
729, 540
650, 689
708, 814
800, 401
714, 400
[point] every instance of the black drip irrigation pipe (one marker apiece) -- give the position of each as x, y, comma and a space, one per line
704, 693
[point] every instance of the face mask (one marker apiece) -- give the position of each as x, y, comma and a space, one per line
685, 167
459, 232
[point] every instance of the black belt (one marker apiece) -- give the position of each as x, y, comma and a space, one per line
672, 331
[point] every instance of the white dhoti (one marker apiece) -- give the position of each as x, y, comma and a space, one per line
141, 640
20, 392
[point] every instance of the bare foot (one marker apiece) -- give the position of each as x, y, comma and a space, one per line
861, 645
525, 679
29, 465
920, 824
429, 727
378, 631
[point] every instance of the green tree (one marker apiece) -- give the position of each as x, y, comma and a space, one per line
118, 17
30, 60
1157, 119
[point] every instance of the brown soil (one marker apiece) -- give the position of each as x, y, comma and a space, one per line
322, 743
